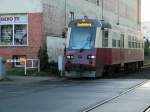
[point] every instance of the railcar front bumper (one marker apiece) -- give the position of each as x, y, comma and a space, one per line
79, 67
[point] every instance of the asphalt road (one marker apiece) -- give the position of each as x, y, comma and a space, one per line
136, 100
52, 95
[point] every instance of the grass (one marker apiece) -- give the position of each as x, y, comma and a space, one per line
30, 73
5, 79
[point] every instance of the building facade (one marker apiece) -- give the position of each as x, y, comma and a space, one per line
25, 24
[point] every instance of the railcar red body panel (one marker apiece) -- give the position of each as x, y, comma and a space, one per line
113, 56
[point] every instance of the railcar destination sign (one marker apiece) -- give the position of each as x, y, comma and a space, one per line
84, 24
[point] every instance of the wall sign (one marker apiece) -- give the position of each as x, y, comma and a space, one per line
10, 19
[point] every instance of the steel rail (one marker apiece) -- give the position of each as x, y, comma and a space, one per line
147, 109
98, 104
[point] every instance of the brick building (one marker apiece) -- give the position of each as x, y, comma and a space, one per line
24, 24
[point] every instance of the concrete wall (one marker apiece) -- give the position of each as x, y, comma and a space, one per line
53, 20
123, 11
20, 6
55, 47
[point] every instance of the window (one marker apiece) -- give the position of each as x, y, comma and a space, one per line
119, 43
122, 40
13, 30
72, 15
82, 38
114, 43
6, 35
17, 57
20, 35
132, 44
139, 45
129, 41
105, 38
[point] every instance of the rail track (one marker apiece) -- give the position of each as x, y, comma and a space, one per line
147, 109
146, 66
98, 104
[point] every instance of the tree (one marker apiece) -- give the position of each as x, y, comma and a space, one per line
147, 43
43, 56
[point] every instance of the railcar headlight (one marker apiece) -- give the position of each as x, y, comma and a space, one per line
69, 56
91, 57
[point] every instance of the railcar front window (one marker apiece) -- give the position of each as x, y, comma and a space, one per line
82, 38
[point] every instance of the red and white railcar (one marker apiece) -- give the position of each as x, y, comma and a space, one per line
94, 47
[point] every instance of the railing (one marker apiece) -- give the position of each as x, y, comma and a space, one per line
26, 63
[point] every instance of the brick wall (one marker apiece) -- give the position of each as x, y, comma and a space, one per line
34, 38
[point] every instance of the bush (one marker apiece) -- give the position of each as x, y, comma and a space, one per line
43, 56
146, 51
54, 68
51, 67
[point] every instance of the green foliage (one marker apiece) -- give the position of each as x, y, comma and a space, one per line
43, 56
147, 43
147, 51
20, 72
54, 68
51, 68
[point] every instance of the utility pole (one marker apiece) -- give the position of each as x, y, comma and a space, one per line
102, 5
139, 12
65, 13
118, 12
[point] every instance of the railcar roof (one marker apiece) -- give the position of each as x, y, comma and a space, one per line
96, 23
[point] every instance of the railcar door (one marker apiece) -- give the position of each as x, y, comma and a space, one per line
122, 49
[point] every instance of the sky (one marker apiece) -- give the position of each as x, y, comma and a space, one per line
145, 10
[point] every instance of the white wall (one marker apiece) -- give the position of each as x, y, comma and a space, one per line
20, 6
55, 47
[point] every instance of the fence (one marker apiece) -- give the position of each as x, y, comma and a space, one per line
26, 64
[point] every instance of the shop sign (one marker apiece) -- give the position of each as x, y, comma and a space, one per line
7, 19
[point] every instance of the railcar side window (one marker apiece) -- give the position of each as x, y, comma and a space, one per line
105, 35
139, 45
119, 43
129, 41
114, 43
122, 40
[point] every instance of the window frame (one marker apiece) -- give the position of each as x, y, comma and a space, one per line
105, 38
13, 26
